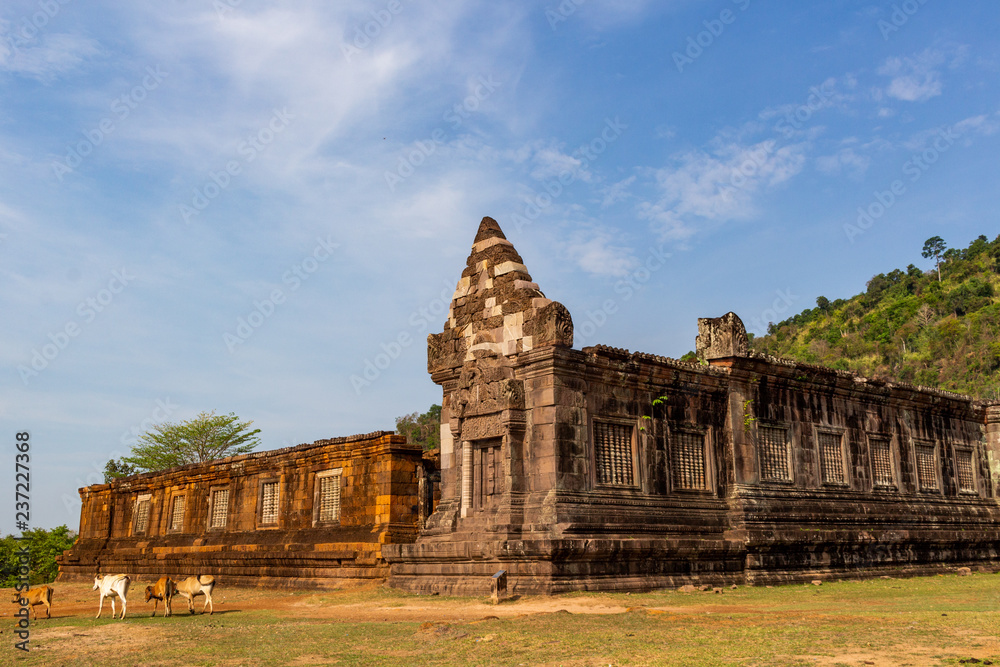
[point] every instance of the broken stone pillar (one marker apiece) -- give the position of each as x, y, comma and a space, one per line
721, 338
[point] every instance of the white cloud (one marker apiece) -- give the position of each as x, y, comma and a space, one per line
916, 78
594, 250
844, 160
47, 57
616, 192
549, 162
984, 124
718, 185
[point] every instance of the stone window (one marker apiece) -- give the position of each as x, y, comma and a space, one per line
142, 505
963, 466
773, 447
927, 478
883, 470
269, 503
613, 454
831, 458
486, 467
177, 513
326, 500
687, 460
218, 507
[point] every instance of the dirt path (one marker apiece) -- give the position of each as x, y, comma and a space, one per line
74, 599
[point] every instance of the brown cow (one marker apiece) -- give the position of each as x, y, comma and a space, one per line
36, 596
164, 589
192, 587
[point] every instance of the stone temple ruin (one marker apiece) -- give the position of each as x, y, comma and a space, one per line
603, 469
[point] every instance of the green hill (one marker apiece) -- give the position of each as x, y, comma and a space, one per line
909, 325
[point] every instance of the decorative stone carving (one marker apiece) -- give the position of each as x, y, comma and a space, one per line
721, 337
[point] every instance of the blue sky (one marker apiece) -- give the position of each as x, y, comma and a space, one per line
239, 206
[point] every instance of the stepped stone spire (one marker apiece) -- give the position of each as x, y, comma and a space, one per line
496, 311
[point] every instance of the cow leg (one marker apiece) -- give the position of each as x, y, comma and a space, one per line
32, 607
156, 601
114, 614
208, 601
100, 608
124, 607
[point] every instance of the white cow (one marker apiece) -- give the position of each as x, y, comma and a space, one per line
111, 585
192, 587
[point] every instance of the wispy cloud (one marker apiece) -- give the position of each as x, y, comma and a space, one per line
718, 185
846, 160
598, 251
917, 78
47, 57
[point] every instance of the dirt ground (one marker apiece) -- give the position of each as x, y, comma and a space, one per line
79, 600
441, 619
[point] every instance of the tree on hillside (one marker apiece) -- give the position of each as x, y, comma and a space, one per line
424, 429
934, 247
205, 438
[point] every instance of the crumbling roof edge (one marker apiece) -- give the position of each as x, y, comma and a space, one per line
858, 378
359, 438
620, 354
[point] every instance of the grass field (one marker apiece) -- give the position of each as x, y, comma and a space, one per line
942, 620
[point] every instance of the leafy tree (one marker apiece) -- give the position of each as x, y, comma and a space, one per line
205, 438
117, 469
934, 247
43, 547
823, 303
424, 429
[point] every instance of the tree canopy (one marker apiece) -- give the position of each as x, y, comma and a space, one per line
934, 247
205, 438
43, 547
117, 469
424, 429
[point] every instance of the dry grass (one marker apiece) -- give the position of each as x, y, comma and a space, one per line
922, 621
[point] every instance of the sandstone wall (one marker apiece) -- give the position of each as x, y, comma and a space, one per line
287, 542
600, 469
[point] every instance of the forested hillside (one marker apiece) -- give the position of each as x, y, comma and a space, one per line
939, 328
